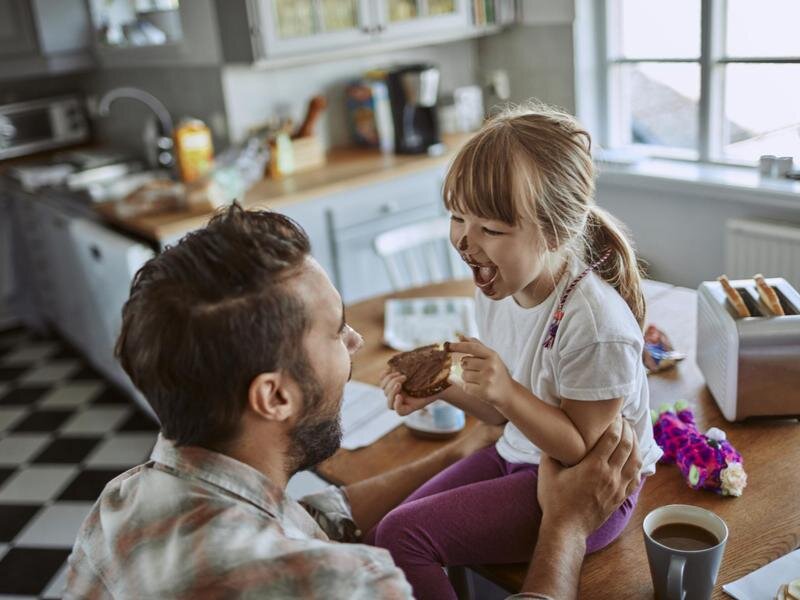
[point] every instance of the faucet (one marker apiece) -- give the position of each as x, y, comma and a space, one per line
162, 153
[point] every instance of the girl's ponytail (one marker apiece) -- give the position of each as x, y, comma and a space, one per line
621, 269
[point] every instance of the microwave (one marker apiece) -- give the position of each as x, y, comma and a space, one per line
36, 125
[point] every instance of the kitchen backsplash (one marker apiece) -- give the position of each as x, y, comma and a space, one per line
184, 90
252, 96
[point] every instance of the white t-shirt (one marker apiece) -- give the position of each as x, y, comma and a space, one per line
597, 355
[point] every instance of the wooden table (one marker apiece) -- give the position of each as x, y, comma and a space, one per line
764, 523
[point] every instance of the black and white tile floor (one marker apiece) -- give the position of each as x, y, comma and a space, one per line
64, 433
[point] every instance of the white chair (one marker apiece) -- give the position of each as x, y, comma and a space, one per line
419, 254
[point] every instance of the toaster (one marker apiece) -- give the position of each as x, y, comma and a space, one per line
752, 364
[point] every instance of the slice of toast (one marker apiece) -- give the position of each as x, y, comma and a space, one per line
768, 296
427, 370
734, 297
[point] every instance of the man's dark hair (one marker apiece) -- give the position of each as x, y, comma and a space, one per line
208, 315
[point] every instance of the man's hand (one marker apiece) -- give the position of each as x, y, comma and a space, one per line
485, 375
584, 496
392, 383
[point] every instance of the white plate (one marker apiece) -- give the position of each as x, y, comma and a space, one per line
414, 322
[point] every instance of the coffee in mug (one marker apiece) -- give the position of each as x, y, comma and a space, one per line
684, 536
684, 546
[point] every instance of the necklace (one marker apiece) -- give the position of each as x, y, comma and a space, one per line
559, 314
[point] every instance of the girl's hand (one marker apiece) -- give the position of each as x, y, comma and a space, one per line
484, 374
391, 382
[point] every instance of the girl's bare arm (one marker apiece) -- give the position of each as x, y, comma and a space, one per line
479, 409
566, 433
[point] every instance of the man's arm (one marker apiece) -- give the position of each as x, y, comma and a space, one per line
371, 499
575, 501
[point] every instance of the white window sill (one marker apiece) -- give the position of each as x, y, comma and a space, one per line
737, 184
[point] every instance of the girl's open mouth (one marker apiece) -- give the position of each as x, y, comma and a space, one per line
483, 274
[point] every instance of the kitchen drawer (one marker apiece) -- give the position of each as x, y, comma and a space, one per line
382, 200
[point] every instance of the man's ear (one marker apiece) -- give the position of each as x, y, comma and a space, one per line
274, 396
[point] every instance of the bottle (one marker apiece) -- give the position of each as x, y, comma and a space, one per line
194, 150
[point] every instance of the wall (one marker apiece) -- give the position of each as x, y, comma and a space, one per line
682, 234
185, 90
538, 54
40, 87
253, 96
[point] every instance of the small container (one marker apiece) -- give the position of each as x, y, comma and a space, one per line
766, 165
783, 166
194, 150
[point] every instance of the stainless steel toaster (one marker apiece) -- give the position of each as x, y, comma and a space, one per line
751, 364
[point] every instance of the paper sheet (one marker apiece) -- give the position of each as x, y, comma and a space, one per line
764, 583
365, 416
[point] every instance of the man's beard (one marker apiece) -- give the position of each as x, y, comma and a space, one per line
314, 437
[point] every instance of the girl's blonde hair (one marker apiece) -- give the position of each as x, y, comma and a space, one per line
533, 163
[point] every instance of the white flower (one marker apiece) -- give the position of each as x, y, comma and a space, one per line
733, 479
714, 433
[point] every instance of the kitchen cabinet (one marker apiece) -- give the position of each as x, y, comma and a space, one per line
188, 30
8, 287
76, 276
48, 270
357, 217
106, 265
68, 301
17, 32
33, 289
403, 18
40, 37
288, 27
265, 31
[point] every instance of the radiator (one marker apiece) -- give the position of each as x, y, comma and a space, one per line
762, 247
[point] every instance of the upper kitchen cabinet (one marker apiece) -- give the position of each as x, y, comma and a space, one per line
154, 32
401, 18
290, 27
285, 32
41, 37
17, 32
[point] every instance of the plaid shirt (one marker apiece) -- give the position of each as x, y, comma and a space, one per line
192, 523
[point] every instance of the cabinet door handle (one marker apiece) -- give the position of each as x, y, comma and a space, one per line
389, 207
95, 252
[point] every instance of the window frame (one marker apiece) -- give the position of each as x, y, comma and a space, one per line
712, 62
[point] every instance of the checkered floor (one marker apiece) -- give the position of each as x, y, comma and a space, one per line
64, 433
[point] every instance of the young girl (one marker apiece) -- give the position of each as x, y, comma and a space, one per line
560, 314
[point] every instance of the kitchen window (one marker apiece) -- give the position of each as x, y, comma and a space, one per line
708, 80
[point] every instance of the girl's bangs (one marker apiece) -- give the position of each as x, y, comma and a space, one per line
481, 181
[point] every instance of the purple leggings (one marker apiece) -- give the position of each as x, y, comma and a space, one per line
481, 510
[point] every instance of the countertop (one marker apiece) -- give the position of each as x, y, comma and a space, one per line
346, 168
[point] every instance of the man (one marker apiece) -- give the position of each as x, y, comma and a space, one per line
240, 344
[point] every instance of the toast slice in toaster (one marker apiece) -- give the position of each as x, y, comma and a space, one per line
734, 297
768, 296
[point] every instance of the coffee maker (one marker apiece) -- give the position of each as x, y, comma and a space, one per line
413, 90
